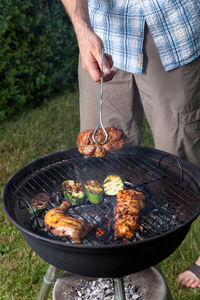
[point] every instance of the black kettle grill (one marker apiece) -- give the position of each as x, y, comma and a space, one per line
171, 187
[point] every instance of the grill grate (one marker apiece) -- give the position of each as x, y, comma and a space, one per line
168, 201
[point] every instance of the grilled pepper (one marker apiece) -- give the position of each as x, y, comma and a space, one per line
39, 203
73, 191
112, 184
93, 191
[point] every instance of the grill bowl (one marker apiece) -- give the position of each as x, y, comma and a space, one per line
154, 171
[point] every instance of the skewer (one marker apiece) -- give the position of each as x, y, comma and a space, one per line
100, 124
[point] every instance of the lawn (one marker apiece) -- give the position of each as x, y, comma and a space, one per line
51, 127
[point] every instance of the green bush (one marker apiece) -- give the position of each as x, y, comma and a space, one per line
38, 53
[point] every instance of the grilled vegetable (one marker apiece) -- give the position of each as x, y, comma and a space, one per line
58, 223
39, 203
73, 191
112, 184
94, 191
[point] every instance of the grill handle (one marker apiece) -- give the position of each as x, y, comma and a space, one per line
178, 163
29, 206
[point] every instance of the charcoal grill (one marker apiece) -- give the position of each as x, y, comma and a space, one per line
171, 187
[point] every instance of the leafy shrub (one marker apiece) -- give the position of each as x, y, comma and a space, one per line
38, 53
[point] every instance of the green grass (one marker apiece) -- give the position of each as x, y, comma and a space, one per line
51, 127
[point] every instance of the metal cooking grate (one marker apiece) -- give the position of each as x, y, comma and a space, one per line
168, 202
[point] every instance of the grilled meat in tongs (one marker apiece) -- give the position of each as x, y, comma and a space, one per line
59, 224
129, 203
102, 140
86, 145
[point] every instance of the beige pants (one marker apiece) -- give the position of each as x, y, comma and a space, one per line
171, 102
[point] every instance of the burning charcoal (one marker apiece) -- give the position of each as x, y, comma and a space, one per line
133, 289
102, 289
94, 293
109, 298
136, 297
56, 197
138, 236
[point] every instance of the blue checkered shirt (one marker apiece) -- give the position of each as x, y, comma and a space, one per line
173, 24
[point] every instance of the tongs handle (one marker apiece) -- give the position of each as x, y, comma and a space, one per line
100, 124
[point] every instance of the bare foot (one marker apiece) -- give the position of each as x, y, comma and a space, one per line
190, 279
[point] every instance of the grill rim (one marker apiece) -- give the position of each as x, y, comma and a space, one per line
99, 247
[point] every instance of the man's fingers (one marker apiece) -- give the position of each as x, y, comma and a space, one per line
93, 67
109, 59
109, 76
107, 64
94, 72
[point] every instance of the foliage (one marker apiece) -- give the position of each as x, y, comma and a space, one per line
38, 53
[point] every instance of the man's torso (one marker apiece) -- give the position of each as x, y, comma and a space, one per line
174, 26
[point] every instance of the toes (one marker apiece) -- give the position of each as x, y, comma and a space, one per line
190, 283
195, 284
184, 281
189, 279
182, 276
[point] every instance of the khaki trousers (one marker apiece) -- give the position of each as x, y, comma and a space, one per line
170, 100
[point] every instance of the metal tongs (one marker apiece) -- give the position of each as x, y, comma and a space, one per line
100, 124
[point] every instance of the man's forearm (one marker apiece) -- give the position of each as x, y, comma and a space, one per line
78, 13
90, 44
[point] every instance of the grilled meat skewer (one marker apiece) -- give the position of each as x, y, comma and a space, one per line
59, 224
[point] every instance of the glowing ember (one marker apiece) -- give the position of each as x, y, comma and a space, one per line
100, 232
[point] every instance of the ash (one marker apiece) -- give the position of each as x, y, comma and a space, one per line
103, 289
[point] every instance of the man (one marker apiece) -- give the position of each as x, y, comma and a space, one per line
152, 62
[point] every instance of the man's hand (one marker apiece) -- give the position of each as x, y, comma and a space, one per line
90, 45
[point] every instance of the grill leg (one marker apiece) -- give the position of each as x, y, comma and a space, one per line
169, 294
119, 289
47, 282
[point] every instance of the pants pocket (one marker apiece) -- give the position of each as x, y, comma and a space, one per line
191, 124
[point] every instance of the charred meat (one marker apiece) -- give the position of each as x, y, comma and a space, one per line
58, 223
86, 145
39, 203
129, 203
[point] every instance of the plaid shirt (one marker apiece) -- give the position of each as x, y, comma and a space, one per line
174, 26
